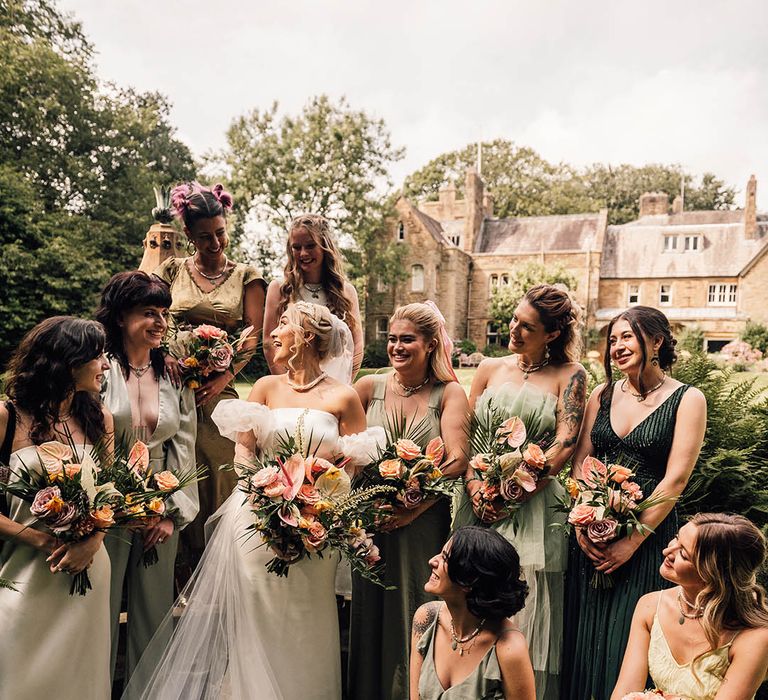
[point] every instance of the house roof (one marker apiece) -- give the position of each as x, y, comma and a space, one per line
434, 227
531, 234
636, 249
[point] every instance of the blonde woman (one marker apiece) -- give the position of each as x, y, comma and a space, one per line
314, 273
706, 638
422, 387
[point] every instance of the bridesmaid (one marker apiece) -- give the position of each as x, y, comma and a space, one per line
314, 273
655, 424
145, 406
543, 383
51, 641
716, 618
208, 287
423, 386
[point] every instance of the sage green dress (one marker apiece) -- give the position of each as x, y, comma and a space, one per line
542, 548
599, 618
484, 683
380, 628
221, 307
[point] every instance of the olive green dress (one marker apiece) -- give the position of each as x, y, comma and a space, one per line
221, 307
484, 683
380, 628
599, 618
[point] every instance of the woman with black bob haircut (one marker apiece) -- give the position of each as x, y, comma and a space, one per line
53, 413
466, 646
146, 406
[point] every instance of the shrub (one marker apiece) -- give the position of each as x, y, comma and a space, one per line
466, 346
691, 340
739, 355
496, 351
756, 334
375, 354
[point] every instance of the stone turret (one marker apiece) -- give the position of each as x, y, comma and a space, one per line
162, 239
750, 209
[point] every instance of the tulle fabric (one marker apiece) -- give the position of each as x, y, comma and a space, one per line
233, 416
339, 358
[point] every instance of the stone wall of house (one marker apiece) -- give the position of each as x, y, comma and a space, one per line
753, 291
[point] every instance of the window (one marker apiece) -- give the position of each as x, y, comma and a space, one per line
670, 243
665, 294
437, 278
505, 280
492, 284
417, 278
493, 335
633, 294
456, 240
381, 285
381, 328
722, 295
692, 243
401, 231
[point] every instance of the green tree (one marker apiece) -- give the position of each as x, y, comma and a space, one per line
506, 297
756, 334
330, 159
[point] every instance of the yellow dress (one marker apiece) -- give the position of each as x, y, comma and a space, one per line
221, 307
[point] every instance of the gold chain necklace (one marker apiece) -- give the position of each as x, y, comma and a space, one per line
642, 397
409, 391
459, 642
212, 278
530, 369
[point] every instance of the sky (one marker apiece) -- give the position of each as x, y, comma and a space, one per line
616, 82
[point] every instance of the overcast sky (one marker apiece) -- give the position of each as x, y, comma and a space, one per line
615, 81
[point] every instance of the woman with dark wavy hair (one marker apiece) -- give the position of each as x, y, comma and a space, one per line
146, 406
466, 646
54, 379
654, 424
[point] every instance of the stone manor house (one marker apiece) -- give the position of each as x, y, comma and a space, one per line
702, 268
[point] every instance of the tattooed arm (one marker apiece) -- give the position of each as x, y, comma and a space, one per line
423, 618
570, 414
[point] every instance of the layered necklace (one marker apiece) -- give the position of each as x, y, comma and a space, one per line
140, 430
533, 367
460, 642
408, 391
314, 289
309, 385
642, 397
211, 278
698, 610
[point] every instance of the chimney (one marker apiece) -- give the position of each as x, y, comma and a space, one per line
677, 205
447, 200
654, 204
488, 204
750, 209
473, 196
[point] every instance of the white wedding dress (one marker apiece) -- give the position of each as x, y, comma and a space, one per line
245, 632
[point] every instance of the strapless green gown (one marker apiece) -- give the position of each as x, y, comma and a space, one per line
599, 619
542, 548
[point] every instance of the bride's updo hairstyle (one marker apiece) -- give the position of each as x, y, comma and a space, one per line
312, 318
485, 562
558, 311
192, 201
40, 375
430, 324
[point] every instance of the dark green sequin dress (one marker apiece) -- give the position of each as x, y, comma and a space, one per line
597, 621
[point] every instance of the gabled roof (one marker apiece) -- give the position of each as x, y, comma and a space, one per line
434, 227
531, 234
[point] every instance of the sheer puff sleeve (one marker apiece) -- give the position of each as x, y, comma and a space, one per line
362, 448
234, 416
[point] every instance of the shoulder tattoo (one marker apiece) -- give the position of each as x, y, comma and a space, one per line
572, 412
422, 622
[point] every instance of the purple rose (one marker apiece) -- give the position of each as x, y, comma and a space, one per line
511, 491
412, 497
602, 531
47, 502
220, 357
63, 519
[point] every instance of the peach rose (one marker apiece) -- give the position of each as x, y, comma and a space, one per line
274, 489
581, 515
264, 477
489, 492
593, 471
316, 537
138, 458
52, 455
480, 462
72, 470
157, 506
435, 450
209, 332
166, 481
103, 516
407, 449
632, 488
512, 431
619, 473
534, 456
392, 469
308, 494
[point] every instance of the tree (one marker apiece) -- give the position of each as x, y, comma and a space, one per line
506, 297
756, 334
330, 159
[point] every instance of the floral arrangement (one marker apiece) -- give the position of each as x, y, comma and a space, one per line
205, 350
304, 505
652, 695
506, 462
605, 504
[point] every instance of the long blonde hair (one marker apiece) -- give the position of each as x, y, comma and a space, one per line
728, 554
431, 326
332, 279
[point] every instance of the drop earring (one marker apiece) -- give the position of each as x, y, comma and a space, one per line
655, 360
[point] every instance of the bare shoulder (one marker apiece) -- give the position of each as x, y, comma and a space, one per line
273, 288
511, 648
748, 640
262, 386
109, 421
596, 392
571, 369
454, 392
490, 364
349, 291
364, 385
424, 616
646, 606
694, 398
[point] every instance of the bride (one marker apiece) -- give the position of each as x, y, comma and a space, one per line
244, 632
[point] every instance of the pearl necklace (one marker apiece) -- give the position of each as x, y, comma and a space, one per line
459, 642
306, 387
212, 278
409, 390
530, 369
642, 397
698, 610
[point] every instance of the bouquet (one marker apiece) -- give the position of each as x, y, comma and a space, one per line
142, 493
205, 350
411, 473
508, 464
605, 504
652, 695
304, 505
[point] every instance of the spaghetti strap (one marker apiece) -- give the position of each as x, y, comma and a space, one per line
379, 387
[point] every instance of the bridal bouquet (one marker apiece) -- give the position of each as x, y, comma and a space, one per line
304, 505
652, 695
605, 504
205, 350
508, 464
141, 492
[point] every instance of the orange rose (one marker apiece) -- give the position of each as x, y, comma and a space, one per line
480, 463
407, 449
103, 517
166, 481
392, 469
581, 515
534, 456
435, 450
274, 489
619, 473
633, 489
316, 537
157, 506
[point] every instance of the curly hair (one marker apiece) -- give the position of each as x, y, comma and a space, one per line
40, 375
647, 324
558, 311
123, 292
332, 277
485, 562
192, 201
